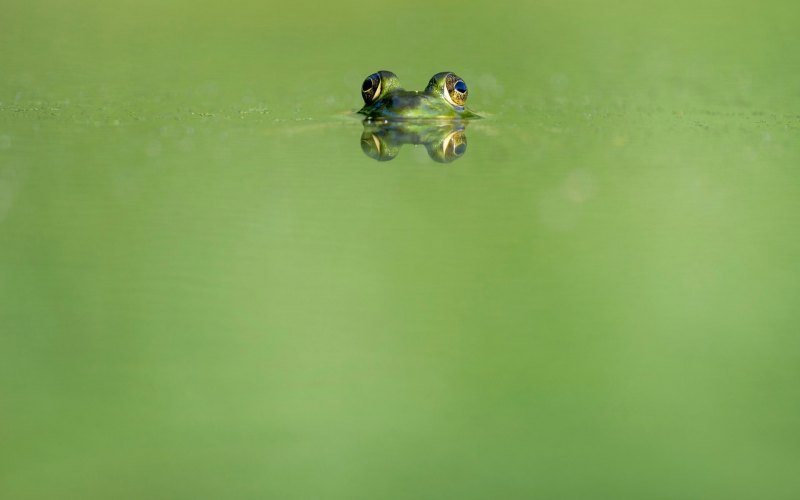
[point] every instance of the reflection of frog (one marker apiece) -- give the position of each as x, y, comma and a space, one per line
443, 98
444, 140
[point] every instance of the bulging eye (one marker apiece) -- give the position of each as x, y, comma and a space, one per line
371, 88
456, 90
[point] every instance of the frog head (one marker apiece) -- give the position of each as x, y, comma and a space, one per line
444, 98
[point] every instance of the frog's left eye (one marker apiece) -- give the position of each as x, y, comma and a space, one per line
371, 88
455, 90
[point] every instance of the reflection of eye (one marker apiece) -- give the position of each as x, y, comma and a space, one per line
452, 147
371, 88
456, 90
378, 147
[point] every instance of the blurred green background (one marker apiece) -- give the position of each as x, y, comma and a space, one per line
207, 290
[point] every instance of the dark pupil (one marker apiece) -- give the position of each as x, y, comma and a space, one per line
461, 86
367, 85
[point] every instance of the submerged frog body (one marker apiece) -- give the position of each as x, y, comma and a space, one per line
443, 98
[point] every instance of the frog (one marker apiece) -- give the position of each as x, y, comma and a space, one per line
444, 98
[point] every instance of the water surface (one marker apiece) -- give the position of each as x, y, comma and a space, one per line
207, 289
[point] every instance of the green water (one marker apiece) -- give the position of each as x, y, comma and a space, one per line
208, 290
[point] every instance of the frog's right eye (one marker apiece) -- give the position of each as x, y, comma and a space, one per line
371, 88
455, 90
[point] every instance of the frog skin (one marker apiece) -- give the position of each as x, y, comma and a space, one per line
443, 98
444, 140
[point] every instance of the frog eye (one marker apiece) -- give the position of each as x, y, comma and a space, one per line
371, 88
455, 90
